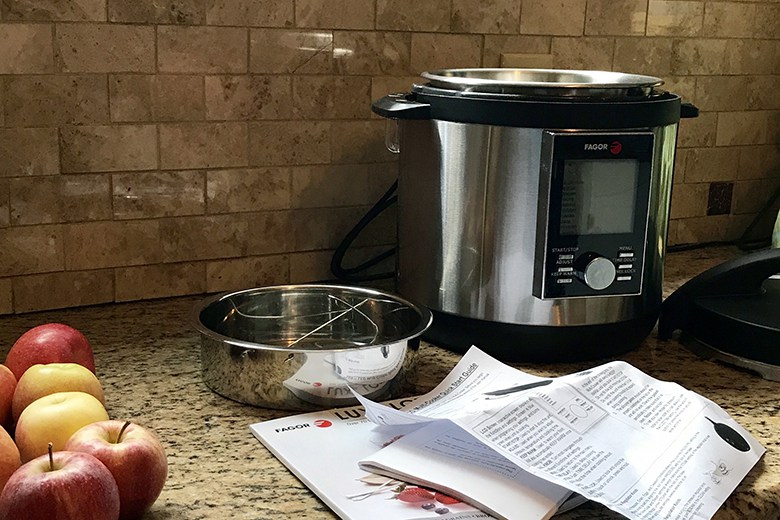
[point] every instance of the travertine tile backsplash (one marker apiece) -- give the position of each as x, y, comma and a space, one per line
153, 148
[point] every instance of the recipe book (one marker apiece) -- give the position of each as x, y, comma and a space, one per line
323, 449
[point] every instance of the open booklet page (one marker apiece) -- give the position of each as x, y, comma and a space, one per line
323, 449
446, 457
645, 448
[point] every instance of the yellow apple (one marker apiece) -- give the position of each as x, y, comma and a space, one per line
54, 418
40, 380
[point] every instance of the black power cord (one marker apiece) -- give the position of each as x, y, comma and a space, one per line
350, 274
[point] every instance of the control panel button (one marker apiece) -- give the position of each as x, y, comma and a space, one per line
626, 254
624, 278
596, 271
565, 259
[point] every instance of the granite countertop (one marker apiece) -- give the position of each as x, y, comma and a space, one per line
148, 358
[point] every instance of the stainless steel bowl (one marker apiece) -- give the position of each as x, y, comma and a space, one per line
545, 83
302, 347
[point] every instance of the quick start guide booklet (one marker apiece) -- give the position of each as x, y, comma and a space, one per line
323, 449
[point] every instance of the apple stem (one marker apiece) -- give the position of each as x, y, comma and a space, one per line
124, 427
51, 457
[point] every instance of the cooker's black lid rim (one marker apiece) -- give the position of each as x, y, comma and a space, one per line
500, 91
727, 331
650, 112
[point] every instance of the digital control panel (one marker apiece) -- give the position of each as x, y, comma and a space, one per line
593, 212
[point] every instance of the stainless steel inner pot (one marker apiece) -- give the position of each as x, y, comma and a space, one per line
302, 347
547, 83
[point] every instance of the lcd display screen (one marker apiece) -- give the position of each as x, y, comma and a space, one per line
599, 196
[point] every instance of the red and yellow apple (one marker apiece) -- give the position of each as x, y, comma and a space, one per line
9, 457
7, 389
63, 485
41, 380
53, 419
49, 343
133, 455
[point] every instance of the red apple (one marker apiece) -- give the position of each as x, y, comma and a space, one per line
9, 457
49, 343
7, 389
64, 485
135, 457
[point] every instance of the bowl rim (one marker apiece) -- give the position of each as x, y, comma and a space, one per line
426, 316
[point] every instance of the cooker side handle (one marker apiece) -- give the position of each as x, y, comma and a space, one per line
401, 106
688, 110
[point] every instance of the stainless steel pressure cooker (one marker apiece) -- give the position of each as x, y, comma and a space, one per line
533, 207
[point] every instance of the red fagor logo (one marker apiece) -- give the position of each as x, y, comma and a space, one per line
323, 423
615, 147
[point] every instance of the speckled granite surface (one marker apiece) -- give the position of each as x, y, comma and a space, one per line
148, 359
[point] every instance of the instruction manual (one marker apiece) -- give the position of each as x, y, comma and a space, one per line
645, 448
323, 449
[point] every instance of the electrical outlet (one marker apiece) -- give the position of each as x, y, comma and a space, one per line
719, 199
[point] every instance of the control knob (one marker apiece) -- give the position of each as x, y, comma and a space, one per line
596, 271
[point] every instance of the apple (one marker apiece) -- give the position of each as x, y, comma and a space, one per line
49, 343
40, 380
64, 485
53, 419
9, 458
133, 454
7, 388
